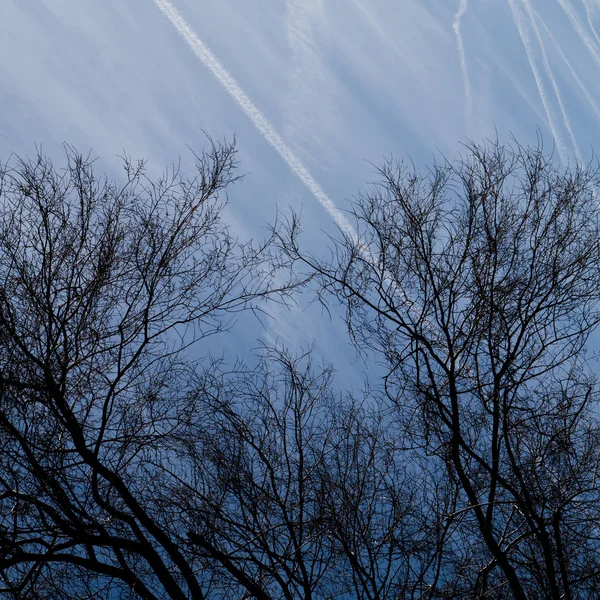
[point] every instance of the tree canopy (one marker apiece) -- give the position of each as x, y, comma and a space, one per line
132, 468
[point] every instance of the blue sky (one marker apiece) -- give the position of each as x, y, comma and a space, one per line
343, 83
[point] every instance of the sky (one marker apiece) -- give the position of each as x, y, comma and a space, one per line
317, 92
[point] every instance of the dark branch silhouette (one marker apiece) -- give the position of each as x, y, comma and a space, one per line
132, 468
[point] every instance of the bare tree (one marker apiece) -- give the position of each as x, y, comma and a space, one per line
303, 492
131, 469
479, 283
102, 288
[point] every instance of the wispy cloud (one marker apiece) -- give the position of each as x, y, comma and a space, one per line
268, 131
262, 124
310, 114
462, 9
375, 24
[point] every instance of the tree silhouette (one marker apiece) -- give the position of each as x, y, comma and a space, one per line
478, 283
132, 468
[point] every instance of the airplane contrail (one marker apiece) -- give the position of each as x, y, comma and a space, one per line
595, 107
462, 9
271, 136
588, 11
585, 38
552, 79
550, 116
210, 61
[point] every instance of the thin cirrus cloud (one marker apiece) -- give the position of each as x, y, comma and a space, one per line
310, 115
462, 9
589, 16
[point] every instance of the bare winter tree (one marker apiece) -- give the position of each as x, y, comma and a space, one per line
102, 288
306, 493
479, 283
128, 469
131, 469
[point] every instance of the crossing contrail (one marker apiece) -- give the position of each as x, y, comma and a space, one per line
585, 38
550, 116
210, 61
582, 87
462, 9
552, 79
